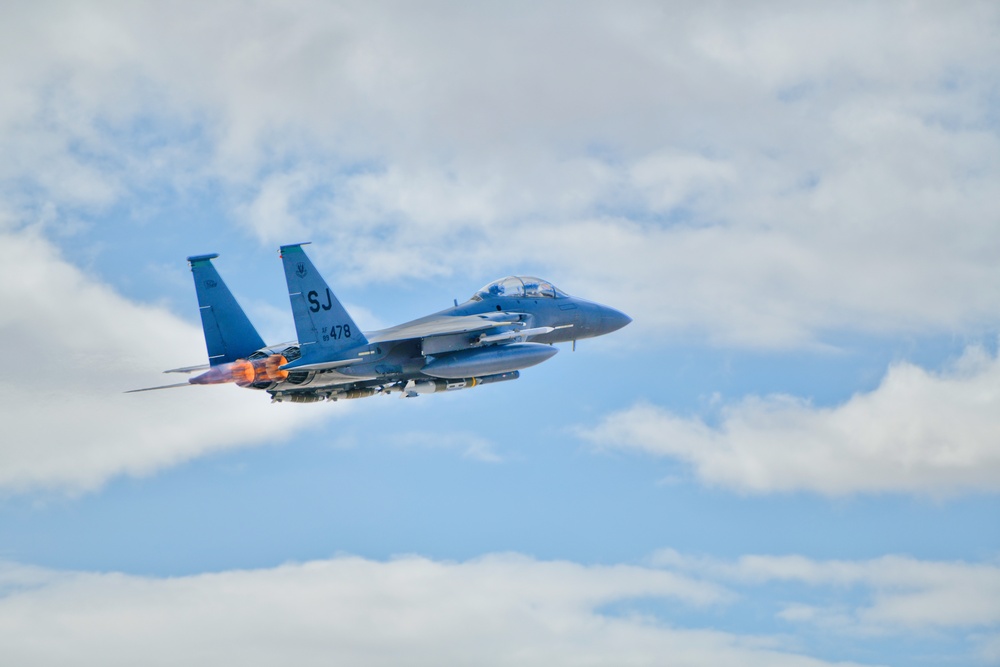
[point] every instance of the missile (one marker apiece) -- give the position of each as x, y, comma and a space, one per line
297, 398
517, 334
418, 387
510, 335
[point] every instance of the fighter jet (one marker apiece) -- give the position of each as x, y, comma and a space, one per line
508, 325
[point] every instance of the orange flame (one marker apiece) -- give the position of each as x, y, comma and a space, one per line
245, 373
240, 371
269, 370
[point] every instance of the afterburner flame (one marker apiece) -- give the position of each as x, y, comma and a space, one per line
270, 369
245, 373
240, 371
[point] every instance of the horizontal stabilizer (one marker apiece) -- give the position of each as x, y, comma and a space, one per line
189, 369
166, 386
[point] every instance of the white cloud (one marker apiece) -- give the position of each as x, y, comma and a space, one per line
72, 346
917, 432
760, 175
269, 214
496, 610
902, 594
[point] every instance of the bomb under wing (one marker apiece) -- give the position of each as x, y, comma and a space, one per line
507, 326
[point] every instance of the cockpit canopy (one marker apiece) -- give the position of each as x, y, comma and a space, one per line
525, 287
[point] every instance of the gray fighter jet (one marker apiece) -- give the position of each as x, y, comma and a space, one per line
506, 326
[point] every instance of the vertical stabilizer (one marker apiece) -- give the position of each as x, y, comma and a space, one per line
229, 335
323, 327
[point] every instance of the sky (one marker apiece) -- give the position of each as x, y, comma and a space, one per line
791, 456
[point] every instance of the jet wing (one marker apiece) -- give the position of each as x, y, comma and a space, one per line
432, 326
442, 326
301, 365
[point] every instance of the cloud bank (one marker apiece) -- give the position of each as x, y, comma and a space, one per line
495, 610
757, 175
73, 346
917, 432
903, 594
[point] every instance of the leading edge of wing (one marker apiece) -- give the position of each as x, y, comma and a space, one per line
440, 326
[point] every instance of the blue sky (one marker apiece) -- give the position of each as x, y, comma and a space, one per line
790, 457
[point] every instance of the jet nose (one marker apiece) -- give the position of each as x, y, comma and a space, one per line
612, 320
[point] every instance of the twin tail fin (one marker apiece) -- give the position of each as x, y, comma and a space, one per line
324, 328
229, 335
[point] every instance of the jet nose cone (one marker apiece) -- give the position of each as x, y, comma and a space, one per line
613, 320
